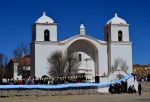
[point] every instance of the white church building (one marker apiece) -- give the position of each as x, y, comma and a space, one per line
97, 56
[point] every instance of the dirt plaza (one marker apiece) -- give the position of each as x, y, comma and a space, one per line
145, 97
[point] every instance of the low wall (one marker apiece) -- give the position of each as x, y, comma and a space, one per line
37, 92
145, 86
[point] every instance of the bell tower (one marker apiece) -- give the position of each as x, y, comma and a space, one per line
116, 34
116, 29
44, 29
44, 32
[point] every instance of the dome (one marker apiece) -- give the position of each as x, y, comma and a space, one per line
116, 20
44, 19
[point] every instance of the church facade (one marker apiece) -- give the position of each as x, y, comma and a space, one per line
96, 56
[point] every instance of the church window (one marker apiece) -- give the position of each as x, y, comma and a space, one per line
46, 35
120, 36
80, 57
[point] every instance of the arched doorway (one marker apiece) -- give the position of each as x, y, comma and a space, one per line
117, 75
88, 56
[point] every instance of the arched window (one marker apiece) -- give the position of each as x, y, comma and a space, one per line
120, 36
46, 35
80, 57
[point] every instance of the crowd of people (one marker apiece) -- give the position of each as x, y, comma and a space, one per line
118, 88
143, 78
131, 89
121, 88
115, 88
46, 80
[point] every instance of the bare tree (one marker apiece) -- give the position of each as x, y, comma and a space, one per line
3, 64
57, 63
63, 63
19, 53
73, 63
1, 60
121, 64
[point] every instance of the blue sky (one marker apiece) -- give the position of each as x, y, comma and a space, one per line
17, 17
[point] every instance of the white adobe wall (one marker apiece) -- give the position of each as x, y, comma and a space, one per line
42, 51
16, 72
103, 60
112, 77
123, 51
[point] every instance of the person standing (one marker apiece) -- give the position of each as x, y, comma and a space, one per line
139, 89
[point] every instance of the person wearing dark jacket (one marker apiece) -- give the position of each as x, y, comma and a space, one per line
139, 89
